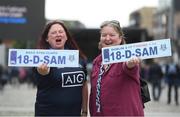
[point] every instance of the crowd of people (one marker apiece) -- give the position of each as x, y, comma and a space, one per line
161, 75
16, 76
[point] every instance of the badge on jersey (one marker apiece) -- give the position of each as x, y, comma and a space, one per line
72, 79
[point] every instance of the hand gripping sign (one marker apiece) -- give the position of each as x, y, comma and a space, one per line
35, 57
143, 50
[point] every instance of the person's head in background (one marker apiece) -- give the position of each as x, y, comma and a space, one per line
56, 36
111, 34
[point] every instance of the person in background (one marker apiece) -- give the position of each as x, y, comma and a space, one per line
155, 78
172, 74
53, 98
115, 88
144, 69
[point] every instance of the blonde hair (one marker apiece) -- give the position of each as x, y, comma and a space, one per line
116, 25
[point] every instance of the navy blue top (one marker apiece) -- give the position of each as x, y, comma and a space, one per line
60, 92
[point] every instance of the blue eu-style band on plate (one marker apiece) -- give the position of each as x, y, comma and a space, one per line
35, 57
143, 50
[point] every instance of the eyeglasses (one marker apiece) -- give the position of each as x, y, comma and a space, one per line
113, 22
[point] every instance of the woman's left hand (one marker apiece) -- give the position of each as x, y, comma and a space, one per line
132, 62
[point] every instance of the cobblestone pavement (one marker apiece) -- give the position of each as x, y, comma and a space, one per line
19, 101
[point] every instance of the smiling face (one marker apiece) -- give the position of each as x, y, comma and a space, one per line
57, 37
110, 36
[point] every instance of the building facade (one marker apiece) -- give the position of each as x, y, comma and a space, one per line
167, 25
143, 18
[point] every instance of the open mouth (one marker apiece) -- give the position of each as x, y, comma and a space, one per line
58, 40
108, 43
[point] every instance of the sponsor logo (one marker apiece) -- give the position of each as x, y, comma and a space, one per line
72, 79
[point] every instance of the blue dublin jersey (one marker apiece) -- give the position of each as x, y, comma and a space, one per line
60, 92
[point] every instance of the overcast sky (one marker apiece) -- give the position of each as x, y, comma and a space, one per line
93, 12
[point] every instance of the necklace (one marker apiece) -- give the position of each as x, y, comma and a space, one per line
103, 68
106, 67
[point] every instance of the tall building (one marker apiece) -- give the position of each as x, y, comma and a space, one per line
143, 18
166, 19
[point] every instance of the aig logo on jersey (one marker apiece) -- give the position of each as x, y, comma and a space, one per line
72, 79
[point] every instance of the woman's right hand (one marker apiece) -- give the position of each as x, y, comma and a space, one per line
132, 62
43, 69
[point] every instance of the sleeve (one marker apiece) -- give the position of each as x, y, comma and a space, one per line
133, 72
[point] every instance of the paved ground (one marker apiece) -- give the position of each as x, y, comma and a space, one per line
19, 101
161, 108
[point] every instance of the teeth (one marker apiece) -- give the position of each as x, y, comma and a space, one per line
109, 43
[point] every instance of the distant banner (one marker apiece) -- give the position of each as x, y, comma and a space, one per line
35, 57
143, 50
